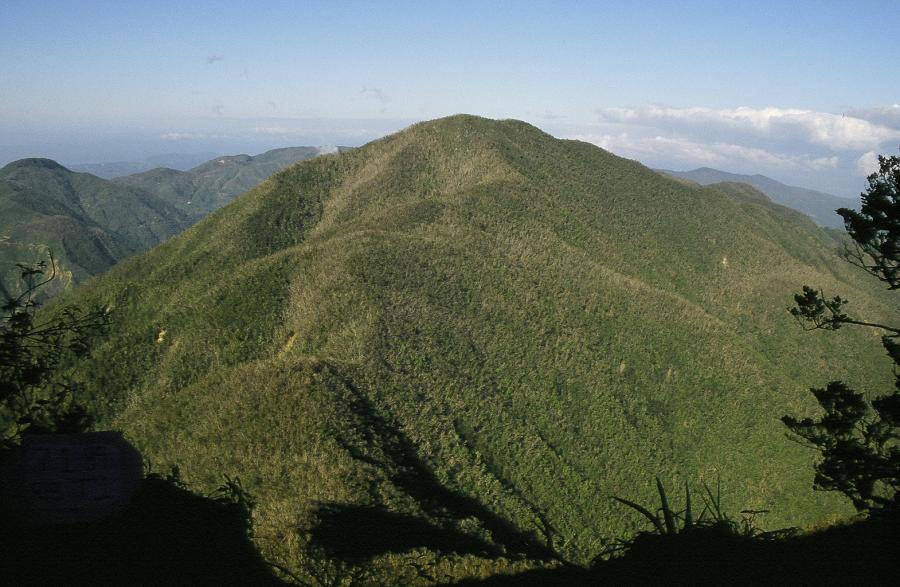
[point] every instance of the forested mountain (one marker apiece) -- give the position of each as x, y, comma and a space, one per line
744, 192
817, 205
88, 223
213, 184
440, 354
114, 169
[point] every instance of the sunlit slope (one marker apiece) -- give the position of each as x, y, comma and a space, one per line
530, 323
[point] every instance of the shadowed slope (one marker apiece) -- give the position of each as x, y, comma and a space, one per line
166, 536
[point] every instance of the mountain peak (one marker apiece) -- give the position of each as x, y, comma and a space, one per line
474, 122
35, 163
467, 126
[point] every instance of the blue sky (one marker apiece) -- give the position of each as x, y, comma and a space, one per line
803, 91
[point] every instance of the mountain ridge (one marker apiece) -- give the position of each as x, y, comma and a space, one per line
88, 223
212, 184
819, 206
539, 323
112, 169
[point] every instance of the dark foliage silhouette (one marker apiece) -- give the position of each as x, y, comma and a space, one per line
860, 553
668, 521
166, 536
36, 392
860, 439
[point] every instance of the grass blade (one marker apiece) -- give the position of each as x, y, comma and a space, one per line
647, 514
688, 512
671, 526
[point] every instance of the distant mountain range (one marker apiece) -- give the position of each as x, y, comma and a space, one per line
113, 169
817, 205
87, 222
472, 329
209, 186
90, 223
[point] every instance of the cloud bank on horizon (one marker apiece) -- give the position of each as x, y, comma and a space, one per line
828, 151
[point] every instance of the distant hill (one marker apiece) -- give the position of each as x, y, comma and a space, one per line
817, 205
439, 355
119, 168
209, 186
88, 223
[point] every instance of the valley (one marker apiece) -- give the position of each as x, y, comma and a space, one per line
88, 224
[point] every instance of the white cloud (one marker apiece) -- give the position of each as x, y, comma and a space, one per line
884, 115
663, 150
867, 164
836, 132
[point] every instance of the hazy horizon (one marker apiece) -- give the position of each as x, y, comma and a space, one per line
803, 93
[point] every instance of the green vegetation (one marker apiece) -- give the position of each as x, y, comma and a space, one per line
817, 205
88, 223
37, 393
472, 329
165, 534
859, 436
713, 518
743, 191
209, 186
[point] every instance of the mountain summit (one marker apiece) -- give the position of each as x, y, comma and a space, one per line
473, 327
32, 163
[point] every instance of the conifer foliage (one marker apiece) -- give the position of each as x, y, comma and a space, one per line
860, 439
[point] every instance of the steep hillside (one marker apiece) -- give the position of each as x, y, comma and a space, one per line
817, 205
87, 222
440, 354
211, 185
743, 191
